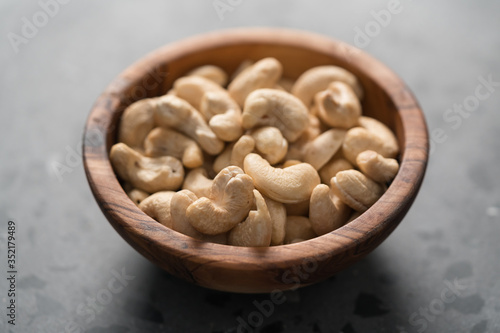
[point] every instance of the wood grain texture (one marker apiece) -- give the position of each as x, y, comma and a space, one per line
249, 270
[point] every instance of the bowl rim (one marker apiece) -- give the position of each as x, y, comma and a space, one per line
151, 237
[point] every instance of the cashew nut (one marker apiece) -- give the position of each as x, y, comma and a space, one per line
270, 143
146, 173
320, 150
332, 167
326, 211
244, 146
265, 73
359, 139
231, 198
338, 106
257, 229
391, 145
180, 222
319, 78
192, 89
137, 196
211, 72
270, 107
377, 167
136, 122
175, 112
277, 211
223, 159
157, 206
290, 185
298, 227
198, 182
223, 113
166, 142
356, 190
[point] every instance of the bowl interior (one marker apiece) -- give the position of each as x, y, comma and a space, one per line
256, 269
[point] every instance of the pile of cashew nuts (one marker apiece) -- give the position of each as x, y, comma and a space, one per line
265, 161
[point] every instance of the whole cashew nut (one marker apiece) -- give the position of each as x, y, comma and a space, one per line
277, 211
136, 195
174, 112
320, 150
319, 78
338, 106
166, 142
290, 185
377, 167
270, 143
265, 73
244, 146
230, 200
198, 182
270, 107
359, 139
136, 122
256, 230
298, 227
391, 145
356, 190
332, 167
157, 206
193, 88
146, 173
211, 72
223, 114
326, 211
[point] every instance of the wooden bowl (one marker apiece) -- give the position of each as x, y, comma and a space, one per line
241, 269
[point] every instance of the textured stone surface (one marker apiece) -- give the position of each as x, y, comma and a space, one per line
68, 254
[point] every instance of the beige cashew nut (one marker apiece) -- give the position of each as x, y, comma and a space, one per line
193, 88
257, 229
265, 73
320, 150
359, 139
326, 211
146, 173
290, 185
136, 122
377, 167
356, 190
157, 206
277, 211
211, 72
223, 115
298, 228
174, 112
230, 200
244, 146
270, 107
166, 142
338, 106
319, 78
376, 127
137, 196
198, 182
332, 167
270, 143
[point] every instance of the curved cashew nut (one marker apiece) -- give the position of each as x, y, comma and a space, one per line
146, 173
338, 106
230, 200
291, 185
157, 206
271, 107
319, 78
136, 122
198, 182
270, 143
166, 142
257, 229
192, 89
277, 211
359, 139
223, 113
391, 145
298, 228
265, 73
320, 150
176, 113
356, 190
137, 196
211, 72
326, 211
244, 146
332, 167
377, 167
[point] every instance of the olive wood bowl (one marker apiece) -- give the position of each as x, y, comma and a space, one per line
246, 269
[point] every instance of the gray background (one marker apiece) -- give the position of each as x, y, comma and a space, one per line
68, 253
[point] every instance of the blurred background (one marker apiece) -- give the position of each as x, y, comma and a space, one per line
438, 272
